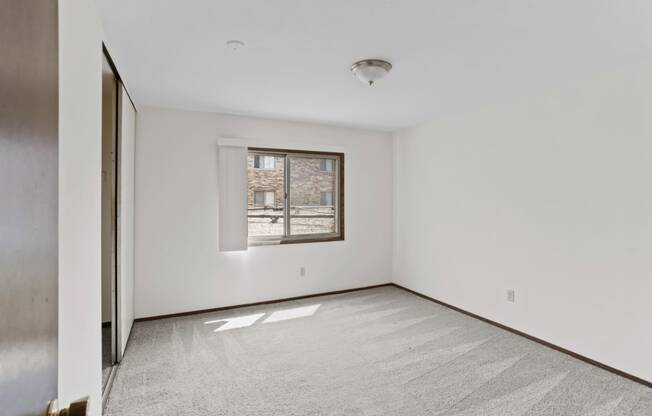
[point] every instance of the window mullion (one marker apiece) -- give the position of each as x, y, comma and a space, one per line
286, 210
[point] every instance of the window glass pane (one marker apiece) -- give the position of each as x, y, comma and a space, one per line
265, 192
326, 199
326, 165
308, 183
269, 162
264, 162
269, 198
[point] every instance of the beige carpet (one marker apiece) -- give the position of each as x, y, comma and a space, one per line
381, 351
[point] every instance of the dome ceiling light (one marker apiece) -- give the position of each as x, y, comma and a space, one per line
235, 45
370, 70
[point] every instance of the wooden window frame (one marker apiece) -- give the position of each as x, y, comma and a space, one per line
338, 195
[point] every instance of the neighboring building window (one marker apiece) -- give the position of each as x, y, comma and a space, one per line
264, 162
326, 198
264, 198
295, 196
326, 165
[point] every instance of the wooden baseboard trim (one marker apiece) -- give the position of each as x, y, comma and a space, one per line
265, 302
580, 357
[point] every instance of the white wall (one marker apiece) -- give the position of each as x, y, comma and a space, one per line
178, 265
127, 147
80, 53
549, 195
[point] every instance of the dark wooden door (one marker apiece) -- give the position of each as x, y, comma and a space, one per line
28, 205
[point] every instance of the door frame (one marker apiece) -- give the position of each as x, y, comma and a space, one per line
116, 307
116, 283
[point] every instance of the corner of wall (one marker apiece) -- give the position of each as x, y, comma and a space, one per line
395, 207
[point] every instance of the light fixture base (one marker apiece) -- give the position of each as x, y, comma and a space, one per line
235, 45
371, 70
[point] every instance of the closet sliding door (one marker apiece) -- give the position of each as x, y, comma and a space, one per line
126, 198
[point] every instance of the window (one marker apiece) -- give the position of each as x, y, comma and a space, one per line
264, 198
298, 199
267, 162
326, 165
326, 198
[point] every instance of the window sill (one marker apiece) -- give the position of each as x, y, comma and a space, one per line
259, 243
264, 243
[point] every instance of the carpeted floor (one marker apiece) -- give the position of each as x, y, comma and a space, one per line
381, 351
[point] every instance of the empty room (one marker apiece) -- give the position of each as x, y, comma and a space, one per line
338, 208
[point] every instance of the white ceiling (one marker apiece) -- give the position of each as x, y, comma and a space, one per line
448, 55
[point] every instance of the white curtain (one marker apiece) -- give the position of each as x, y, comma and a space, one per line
232, 195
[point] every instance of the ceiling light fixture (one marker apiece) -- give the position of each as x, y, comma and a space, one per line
370, 70
235, 45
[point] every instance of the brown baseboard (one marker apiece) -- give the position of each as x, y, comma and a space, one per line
535, 339
265, 302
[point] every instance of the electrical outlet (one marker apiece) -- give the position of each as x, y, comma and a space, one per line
511, 295
302, 271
